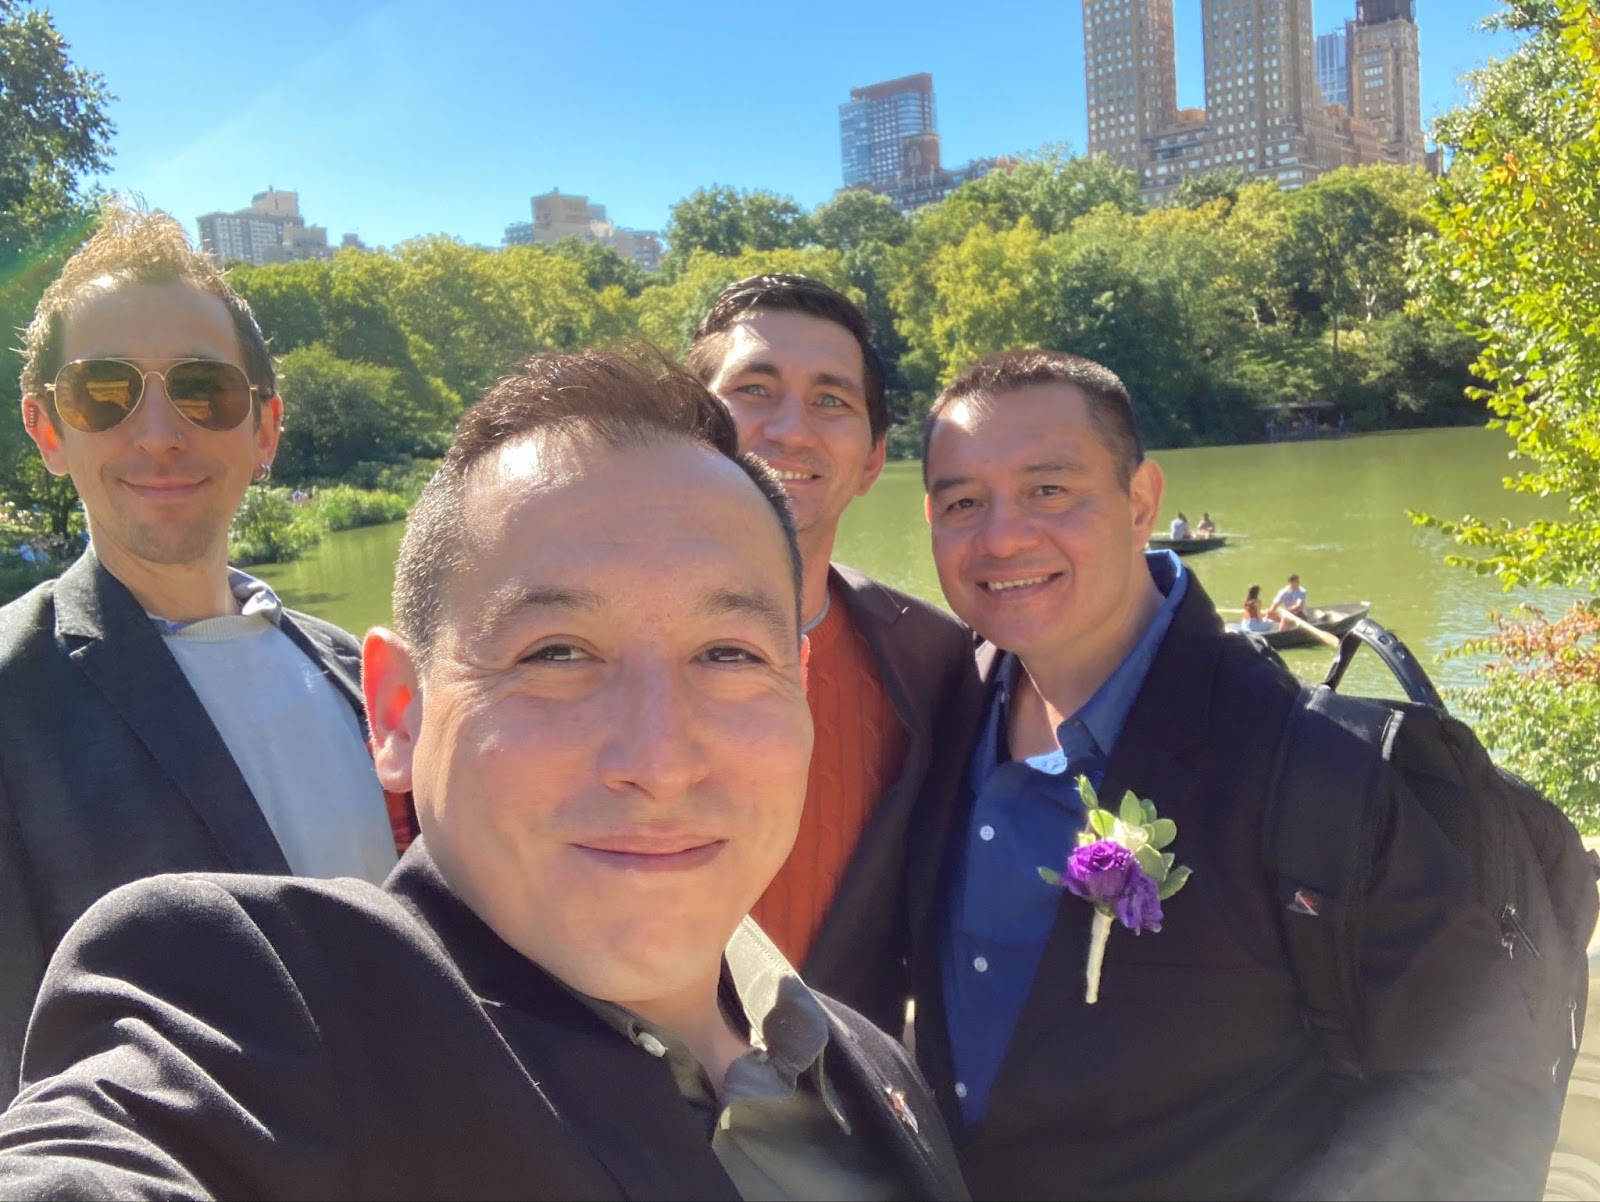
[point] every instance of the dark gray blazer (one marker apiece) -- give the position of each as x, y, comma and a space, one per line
261, 1037
925, 662
111, 769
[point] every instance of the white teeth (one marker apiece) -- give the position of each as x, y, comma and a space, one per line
996, 586
794, 475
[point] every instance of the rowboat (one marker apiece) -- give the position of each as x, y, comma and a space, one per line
1187, 546
1335, 620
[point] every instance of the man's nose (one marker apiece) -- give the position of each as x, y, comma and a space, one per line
789, 421
654, 746
157, 424
1006, 530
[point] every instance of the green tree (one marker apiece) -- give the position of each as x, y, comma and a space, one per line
668, 312
1225, 183
1349, 232
336, 414
53, 130
288, 299
995, 291
1052, 189
724, 221
54, 133
603, 266
855, 219
1517, 260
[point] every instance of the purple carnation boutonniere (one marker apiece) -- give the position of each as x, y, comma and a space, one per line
1120, 868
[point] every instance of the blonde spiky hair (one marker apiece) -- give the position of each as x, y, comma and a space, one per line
134, 245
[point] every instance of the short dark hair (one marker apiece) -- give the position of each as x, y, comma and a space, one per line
133, 246
616, 400
786, 293
1110, 406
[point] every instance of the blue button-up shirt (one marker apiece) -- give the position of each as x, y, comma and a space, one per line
1027, 814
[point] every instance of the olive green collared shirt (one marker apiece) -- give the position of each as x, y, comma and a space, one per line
778, 1127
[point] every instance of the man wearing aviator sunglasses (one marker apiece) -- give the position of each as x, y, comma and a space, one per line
160, 712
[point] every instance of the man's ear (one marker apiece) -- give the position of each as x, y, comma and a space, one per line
269, 428
36, 421
874, 465
1145, 490
389, 684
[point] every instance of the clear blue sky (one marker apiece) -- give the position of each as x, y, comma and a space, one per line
406, 117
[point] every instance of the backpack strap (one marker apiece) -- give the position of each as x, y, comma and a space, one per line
1396, 656
1320, 827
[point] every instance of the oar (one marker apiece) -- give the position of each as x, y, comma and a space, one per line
1321, 634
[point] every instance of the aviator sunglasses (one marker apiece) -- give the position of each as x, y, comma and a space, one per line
94, 395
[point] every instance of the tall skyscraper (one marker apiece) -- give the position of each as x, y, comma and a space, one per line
884, 131
889, 141
1265, 113
1132, 76
1333, 68
1385, 79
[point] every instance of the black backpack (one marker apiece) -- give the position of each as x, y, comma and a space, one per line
1526, 861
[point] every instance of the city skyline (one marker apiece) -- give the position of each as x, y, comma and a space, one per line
393, 126
1266, 110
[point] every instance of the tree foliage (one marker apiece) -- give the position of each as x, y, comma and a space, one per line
724, 221
1517, 260
53, 130
54, 134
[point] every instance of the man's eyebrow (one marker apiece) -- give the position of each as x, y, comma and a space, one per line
823, 379
753, 367
946, 483
828, 379
777, 618
1049, 468
507, 603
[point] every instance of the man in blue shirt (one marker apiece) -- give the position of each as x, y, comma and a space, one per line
1193, 1074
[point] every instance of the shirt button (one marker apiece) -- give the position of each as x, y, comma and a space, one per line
986, 832
961, 1090
651, 1044
981, 964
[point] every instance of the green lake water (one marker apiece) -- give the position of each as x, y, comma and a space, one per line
1334, 511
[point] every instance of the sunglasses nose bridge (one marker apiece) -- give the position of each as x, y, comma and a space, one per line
154, 412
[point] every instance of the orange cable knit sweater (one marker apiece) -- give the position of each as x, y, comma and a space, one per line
859, 751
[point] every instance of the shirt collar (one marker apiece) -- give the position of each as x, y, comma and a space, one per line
786, 1026
254, 597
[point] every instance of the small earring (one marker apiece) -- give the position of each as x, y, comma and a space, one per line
263, 474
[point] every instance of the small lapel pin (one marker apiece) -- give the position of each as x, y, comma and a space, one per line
897, 1103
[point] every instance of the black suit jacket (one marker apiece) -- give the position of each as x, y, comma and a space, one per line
258, 1037
1194, 1075
111, 769
925, 661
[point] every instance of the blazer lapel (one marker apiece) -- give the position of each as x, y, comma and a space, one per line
882, 844
886, 1100
335, 662
620, 1102
1169, 721
116, 645
933, 844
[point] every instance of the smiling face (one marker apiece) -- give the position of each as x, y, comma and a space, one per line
1039, 548
158, 489
795, 386
610, 744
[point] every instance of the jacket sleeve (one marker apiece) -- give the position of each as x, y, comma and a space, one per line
143, 1079
1454, 1103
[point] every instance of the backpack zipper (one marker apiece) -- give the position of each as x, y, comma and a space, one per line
1509, 927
